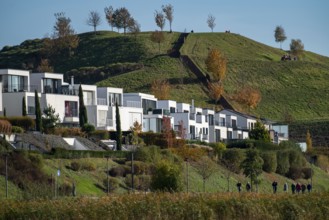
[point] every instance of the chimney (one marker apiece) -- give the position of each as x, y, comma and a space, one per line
72, 81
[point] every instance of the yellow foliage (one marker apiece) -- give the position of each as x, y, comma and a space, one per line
248, 96
216, 64
160, 89
215, 90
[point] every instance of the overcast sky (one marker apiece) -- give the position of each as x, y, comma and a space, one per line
256, 19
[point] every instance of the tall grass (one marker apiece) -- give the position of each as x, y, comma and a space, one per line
173, 206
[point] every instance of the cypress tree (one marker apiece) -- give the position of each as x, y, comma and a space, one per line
83, 118
118, 127
4, 112
38, 121
24, 107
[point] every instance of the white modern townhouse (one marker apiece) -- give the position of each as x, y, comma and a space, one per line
199, 124
152, 114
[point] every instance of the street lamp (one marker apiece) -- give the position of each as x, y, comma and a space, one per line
187, 186
107, 174
6, 155
132, 171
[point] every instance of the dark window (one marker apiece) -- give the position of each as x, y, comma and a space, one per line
172, 110
148, 105
71, 109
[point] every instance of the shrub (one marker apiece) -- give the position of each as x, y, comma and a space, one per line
83, 165
232, 159
75, 165
100, 134
141, 182
296, 158
17, 130
307, 172
118, 171
88, 128
283, 162
219, 149
322, 161
22, 121
294, 173
113, 184
147, 154
167, 177
270, 161
139, 167
68, 132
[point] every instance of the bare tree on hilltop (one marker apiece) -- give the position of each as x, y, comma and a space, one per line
109, 12
159, 19
211, 22
94, 19
279, 35
168, 10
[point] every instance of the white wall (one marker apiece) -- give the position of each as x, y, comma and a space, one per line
1, 109
58, 102
129, 115
13, 103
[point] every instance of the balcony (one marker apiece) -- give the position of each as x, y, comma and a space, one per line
18, 88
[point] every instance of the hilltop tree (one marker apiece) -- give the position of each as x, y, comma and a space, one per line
118, 127
64, 34
211, 22
157, 37
216, 65
259, 132
109, 12
94, 19
24, 107
309, 146
205, 168
38, 120
160, 89
252, 166
134, 29
279, 35
122, 19
83, 118
159, 19
296, 47
168, 10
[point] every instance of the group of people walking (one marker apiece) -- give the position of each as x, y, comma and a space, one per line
295, 188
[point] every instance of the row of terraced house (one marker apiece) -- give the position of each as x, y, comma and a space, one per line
199, 123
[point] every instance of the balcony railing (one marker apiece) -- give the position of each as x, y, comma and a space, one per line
19, 88
101, 101
106, 123
133, 104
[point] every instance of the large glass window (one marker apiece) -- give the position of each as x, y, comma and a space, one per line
148, 105
71, 109
50, 85
114, 98
88, 97
12, 83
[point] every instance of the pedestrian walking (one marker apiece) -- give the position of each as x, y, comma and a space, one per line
293, 188
238, 185
285, 187
309, 187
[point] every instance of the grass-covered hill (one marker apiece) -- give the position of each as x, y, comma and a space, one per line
296, 88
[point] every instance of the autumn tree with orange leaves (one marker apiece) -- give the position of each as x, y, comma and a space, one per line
215, 89
216, 65
248, 96
160, 89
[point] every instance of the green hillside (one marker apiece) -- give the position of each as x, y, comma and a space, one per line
298, 88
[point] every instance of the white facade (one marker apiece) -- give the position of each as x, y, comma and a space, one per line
199, 124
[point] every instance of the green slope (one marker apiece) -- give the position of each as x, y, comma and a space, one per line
300, 88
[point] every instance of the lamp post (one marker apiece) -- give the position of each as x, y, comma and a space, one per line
6, 155
187, 184
132, 171
107, 174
